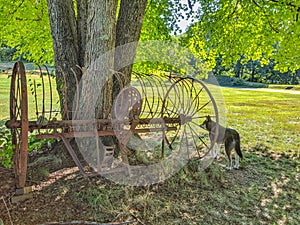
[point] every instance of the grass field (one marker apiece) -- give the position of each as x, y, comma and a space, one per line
268, 121
279, 86
5, 92
265, 190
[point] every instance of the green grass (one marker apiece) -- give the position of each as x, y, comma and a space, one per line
284, 86
5, 95
267, 121
266, 189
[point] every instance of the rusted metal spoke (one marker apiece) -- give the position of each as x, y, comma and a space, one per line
199, 137
203, 106
51, 93
193, 136
196, 101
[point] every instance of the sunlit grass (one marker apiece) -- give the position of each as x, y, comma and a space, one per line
5, 83
285, 86
265, 119
264, 191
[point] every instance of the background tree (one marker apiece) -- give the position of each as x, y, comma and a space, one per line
258, 30
80, 32
267, 31
84, 31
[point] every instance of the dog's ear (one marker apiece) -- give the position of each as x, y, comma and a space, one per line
208, 118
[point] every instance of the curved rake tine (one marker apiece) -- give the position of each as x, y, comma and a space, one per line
118, 76
66, 110
190, 97
51, 93
175, 103
77, 93
43, 91
167, 94
144, 94
151, 104
180, 98
160, 87
196, 100
35, 99
144, 87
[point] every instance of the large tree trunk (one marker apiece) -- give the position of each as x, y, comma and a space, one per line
66, 52
89, 41
129, 26
82, 14
99, 55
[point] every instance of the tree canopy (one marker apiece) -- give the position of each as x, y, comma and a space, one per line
257, 30
25, 26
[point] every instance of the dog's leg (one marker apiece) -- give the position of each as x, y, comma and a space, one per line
228, 153
218, 151
229, 166
236, 163
213, 151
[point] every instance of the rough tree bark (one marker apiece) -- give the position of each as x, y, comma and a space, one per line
129, 26
65, 44
82, 14
79, 39
99, 56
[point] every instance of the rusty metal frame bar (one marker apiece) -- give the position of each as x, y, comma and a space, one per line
153, 105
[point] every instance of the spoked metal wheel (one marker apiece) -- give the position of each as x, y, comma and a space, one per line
136, 128
19, 122
126, 110
191, 101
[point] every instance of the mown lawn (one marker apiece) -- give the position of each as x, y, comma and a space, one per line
285, 86
265, 190
5, 95
267, 121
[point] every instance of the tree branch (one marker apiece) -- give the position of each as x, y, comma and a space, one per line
265, 14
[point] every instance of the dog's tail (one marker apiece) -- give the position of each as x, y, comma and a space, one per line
238, 147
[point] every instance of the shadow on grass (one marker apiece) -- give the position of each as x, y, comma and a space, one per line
262, 191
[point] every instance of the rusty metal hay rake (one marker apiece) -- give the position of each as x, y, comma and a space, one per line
162, 113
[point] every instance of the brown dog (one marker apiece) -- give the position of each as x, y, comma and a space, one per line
229, 137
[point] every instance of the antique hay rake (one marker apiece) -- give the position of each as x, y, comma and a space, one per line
154, 115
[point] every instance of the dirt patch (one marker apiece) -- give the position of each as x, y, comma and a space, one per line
262, 191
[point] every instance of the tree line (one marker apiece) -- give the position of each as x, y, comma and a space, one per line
255, 40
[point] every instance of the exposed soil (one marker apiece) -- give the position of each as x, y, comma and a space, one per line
262, 192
